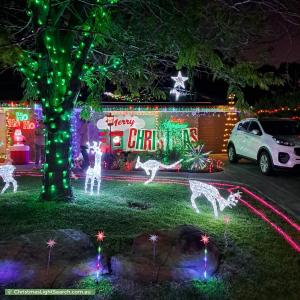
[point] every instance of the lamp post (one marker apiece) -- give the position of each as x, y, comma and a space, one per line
110, 122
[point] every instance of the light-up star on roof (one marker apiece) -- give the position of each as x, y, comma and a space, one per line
179, 81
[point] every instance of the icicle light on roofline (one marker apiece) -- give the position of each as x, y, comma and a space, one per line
160, 108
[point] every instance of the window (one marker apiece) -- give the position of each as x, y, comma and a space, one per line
254, 126
243, 126
280, 127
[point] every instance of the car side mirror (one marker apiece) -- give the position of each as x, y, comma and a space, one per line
256, 132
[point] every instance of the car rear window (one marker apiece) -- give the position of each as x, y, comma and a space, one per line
280, 127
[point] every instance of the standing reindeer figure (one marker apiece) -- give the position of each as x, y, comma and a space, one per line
153, 166
94, 173
6, 172
212, 195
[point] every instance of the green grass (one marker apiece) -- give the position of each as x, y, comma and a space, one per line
259, 264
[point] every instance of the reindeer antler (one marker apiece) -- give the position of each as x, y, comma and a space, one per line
95, 147
233, 199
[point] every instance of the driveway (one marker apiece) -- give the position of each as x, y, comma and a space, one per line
282, 187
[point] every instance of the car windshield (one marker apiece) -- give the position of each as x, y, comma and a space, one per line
280, 127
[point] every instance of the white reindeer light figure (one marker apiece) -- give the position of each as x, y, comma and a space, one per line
94, 173
212, 195
6, 172
153, 166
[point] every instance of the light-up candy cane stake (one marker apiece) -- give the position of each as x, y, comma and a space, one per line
205, 240
100, 237
50, 244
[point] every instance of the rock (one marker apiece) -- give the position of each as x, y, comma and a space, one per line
179, 257
23, 260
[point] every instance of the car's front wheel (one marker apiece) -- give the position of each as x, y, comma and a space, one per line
265, 163
232, 156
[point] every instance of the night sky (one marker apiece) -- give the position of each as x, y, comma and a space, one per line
279, 53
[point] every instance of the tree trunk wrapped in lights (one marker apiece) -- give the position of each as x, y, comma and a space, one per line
55, 71
56, 180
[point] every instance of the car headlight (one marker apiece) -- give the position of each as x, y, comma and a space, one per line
283, 142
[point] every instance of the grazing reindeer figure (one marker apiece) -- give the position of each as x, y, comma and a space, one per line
94, 173
6, 172
153, 166
212, 195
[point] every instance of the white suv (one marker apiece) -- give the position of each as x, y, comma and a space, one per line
272, 142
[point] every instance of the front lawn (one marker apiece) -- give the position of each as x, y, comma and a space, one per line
257, 264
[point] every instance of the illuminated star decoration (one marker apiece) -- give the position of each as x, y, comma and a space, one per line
153, 238
51, 243
200, 159
204, 239
179, 87
100, 236
179, 81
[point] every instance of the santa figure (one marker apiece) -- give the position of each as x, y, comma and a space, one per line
19, 138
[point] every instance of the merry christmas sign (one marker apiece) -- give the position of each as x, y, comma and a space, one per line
122, 123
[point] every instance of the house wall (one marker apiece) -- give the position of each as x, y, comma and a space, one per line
210, 126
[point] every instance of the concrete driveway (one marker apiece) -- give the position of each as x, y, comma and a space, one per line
282, 187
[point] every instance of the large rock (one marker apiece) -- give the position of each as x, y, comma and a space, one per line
23, 260
179, 256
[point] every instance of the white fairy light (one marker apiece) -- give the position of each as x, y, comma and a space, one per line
153, 166
212, 195
6, 172
94, 173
